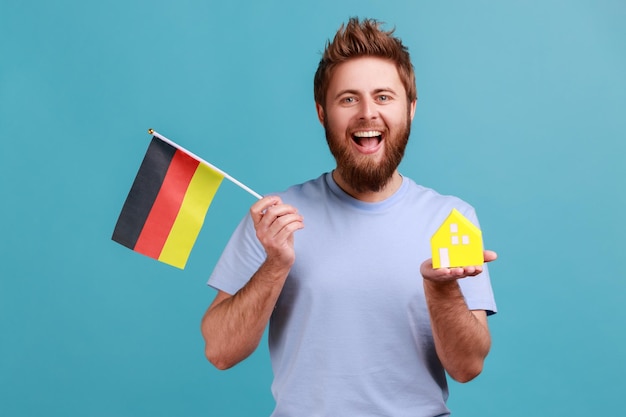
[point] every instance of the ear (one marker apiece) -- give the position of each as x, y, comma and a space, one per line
412, 111
320, 113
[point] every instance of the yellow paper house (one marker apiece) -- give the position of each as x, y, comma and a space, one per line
457, 243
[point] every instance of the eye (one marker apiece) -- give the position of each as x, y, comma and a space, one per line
384, 97
348, 100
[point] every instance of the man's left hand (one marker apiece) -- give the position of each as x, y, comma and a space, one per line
452, 274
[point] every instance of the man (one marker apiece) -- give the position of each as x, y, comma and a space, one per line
360, 324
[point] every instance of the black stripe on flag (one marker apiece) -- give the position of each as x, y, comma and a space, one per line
143, 192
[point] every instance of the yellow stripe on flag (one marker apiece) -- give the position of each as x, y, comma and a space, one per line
190, 218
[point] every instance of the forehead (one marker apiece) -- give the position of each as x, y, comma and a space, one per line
365, 74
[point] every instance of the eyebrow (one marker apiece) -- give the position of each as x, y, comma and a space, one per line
344, 92
384, 90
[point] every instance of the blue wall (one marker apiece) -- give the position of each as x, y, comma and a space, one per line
521, 113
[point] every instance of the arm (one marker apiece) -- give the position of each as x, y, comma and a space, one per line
233, 325
462, 338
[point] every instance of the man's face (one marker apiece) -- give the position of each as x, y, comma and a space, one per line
367, 119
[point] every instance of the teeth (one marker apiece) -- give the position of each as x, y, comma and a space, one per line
368, 134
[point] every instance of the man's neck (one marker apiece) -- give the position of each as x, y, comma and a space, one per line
387, 191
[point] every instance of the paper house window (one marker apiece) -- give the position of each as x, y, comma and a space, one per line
465, 239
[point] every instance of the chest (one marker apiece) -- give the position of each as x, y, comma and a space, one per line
370, 258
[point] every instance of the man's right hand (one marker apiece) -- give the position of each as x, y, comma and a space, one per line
275, 224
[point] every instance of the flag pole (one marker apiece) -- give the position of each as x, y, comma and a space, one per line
213, 167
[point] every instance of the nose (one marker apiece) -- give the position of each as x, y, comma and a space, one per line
367, 110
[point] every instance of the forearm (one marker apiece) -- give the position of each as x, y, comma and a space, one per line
233, 328
461, 337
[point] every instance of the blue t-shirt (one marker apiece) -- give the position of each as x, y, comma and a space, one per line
350, 334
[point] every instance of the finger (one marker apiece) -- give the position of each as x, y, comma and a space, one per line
439, 274
477, 270
260, 207
472, 271
426, 267
469, 270
490, 255
274, 216
460, 272
288, 228
448, 274
285, 224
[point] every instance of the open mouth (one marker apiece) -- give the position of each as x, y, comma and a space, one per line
368, 140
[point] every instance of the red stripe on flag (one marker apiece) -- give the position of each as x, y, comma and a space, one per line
166, 205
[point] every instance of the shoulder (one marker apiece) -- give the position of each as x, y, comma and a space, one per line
433, 197
311, 190
431, 203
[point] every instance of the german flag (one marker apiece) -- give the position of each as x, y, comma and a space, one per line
167, 204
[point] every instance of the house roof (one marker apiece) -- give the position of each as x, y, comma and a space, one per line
455, 216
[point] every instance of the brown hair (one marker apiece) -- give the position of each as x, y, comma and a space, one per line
363, 38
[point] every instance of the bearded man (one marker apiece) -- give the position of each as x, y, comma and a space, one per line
360, 324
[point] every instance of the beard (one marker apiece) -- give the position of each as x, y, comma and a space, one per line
362, 172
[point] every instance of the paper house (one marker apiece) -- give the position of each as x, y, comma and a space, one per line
457, 243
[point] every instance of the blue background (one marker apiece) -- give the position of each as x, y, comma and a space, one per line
521, 113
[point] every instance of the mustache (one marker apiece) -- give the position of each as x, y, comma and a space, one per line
366, 125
